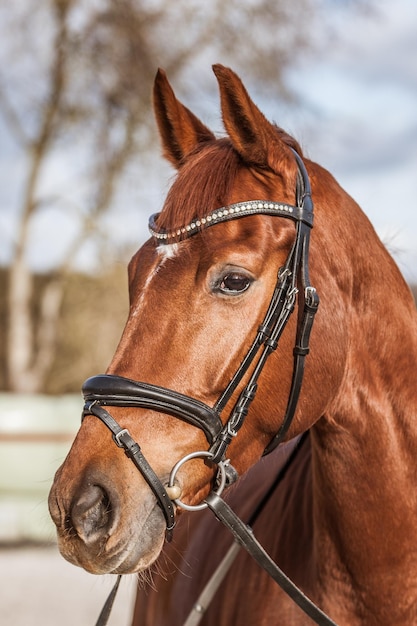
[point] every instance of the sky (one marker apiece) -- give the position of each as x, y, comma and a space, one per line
356, 115
359, 119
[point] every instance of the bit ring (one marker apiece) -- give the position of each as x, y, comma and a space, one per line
221, 475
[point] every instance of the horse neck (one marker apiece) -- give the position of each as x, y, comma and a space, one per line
365, 448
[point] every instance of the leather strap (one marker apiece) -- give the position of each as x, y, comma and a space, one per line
196, 614
132, 449
103, 618
244, 537
228, 213
300, 351
113, 390
207, 594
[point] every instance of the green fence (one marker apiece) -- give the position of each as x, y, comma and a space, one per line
35, 435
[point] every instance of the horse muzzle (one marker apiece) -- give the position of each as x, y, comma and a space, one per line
96, 533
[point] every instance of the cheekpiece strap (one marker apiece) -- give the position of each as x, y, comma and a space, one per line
226, 213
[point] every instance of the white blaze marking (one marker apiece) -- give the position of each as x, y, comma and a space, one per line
167, 251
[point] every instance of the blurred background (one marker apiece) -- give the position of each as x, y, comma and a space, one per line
80, 172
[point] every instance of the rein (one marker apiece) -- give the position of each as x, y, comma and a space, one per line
207, 594
293, 284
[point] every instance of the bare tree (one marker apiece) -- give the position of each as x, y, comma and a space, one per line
78, 73
108, 48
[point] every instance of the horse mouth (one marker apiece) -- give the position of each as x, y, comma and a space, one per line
131, 548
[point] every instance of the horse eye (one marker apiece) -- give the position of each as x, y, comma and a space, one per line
234, 283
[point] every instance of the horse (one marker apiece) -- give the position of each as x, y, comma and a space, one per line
338, 505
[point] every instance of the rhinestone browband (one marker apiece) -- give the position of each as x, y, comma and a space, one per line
232, 211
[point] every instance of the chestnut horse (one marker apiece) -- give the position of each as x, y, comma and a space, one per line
342, 522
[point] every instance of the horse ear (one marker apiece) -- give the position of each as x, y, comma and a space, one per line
252, 135
180, 130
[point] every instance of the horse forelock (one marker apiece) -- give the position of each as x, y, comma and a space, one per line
202, 184
205, 182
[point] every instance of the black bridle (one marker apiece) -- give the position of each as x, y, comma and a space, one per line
292, 285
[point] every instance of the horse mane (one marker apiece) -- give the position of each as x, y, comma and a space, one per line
205, 181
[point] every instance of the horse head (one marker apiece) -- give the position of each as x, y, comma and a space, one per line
200, 289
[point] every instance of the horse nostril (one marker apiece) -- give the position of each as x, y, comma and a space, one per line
91, 514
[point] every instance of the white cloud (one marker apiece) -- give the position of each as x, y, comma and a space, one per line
361, 122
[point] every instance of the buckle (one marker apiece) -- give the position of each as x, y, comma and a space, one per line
311, 297
116, 437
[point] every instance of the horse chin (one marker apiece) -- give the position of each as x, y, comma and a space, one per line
130, 549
